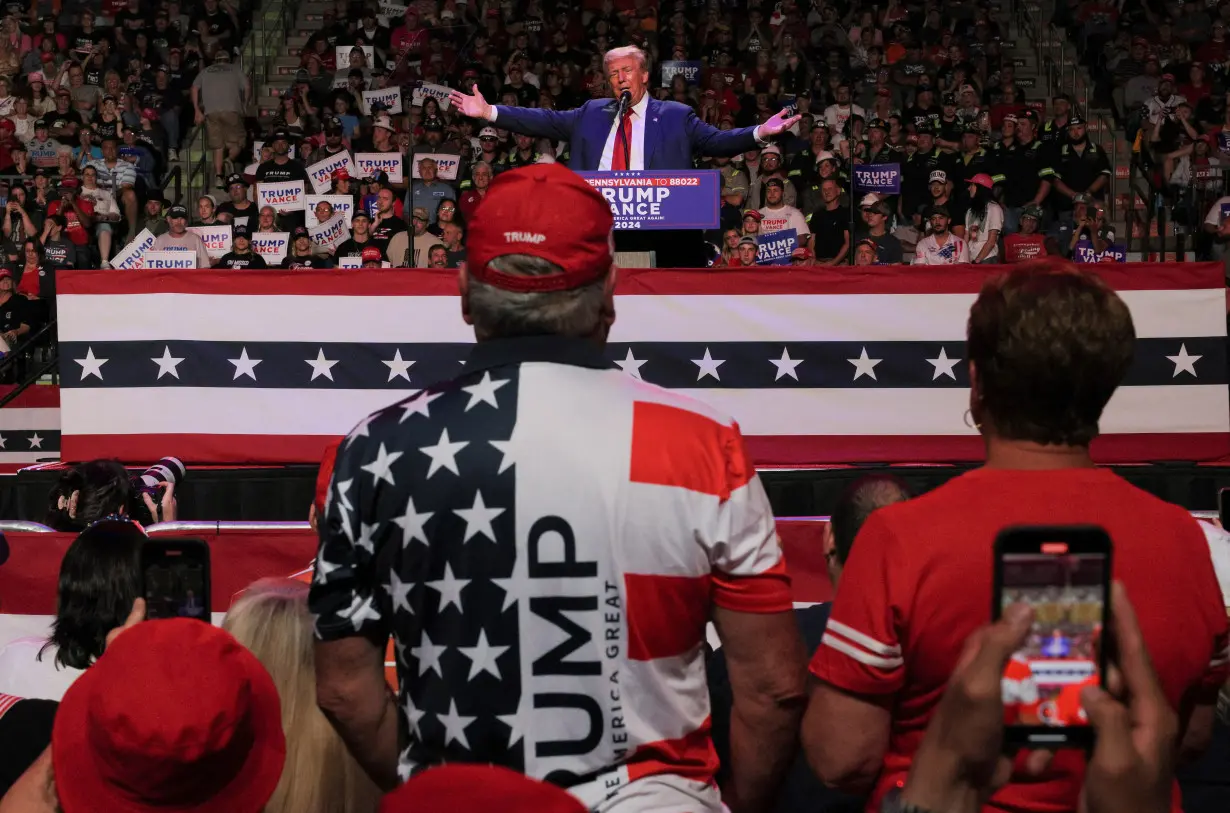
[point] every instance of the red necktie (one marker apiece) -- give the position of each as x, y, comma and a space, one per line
622, 157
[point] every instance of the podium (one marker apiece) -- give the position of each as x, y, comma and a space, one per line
661, 214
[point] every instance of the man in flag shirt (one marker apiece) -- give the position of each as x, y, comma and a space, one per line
545, 538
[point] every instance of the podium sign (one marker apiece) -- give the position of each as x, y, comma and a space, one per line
648, 199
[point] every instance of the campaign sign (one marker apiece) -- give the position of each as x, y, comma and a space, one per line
427, 91
689, 68
342, 53
1085, 253
321, 173
342, 205
447, 166
283, 196
392, 10
883, 178
217, 239
333, 231
45, 158
340, 80
169, 259
649, 199
389, 97
369, 163
349, 262
134, 253
256, 151
775, 248
271, 245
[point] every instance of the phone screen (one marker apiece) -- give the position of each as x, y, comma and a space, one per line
1068, 593
176, 578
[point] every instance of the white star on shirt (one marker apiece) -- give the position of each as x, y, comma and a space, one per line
517, 723
455, 725
428, 655
504, 447
343, 488
366, 539
399, 593
418, 405
449, 588
1183, 363
412, 524
478, 518
360, 610
168, 363
785, 365
483, 657
36, 441
321, 365
244, 365
397, 367
323, 569
708, 366
943, 365
413, 715
484, 391
360, 431
91, 365
444, 454
380, 468
864, 365
631, 364
506, 586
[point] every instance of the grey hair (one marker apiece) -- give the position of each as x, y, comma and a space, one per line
622, 52
501, 314
478, 164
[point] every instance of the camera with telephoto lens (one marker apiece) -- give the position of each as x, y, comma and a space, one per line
169, 471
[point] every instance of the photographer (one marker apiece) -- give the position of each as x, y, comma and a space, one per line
101, 488
1089, 224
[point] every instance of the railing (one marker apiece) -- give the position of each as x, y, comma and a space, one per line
218, 526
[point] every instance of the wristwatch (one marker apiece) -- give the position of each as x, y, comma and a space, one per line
893, 804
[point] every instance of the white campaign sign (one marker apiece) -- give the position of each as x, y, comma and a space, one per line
342, 205
134, 253
283, 196
169, 259
447, 165
271, 245
217, 239
389, 97
369, 163
349, 262
342, 53
340, 80
427, 90
328, 234
321, 173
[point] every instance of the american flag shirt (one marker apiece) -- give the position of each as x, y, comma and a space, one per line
544, 538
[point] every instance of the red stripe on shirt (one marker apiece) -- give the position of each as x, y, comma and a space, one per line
7, 701
692, 756
767, 592
677, 447
666, 614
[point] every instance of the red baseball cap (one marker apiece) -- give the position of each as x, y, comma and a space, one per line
546, 211
342, 174
69, 182
175, 716
4, 272
477, 789
370, 253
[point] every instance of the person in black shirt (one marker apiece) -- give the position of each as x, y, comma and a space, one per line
831, 225
283, 168
14, 310
221, 21
1081, 167
386, 223
241, 254
360, 236
924, 114
128, 22
238, 211
301, 255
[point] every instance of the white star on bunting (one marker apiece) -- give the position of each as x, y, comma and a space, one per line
785, 365
484, 391
397, 367
478, 518
167, 364
321, 365
864, 365
1183, 363
419, 405
943, 365
483, 657
708, 366
455, 725
380, 468
412, 524
244, 365
36, 441
399, 593
91, 365
3, 442
631, 364
449, 588
444, 454
428, 656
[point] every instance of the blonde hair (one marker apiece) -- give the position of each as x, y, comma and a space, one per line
622, 52
271, 619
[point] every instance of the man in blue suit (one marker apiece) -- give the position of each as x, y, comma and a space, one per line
651, 134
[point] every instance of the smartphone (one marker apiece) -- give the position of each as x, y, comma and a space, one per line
1222, 496
175, 578
1064, 573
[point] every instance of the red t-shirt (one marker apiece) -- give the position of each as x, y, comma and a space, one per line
76, 233
918, 583
1021, 247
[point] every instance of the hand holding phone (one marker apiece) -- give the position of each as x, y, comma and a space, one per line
176, 578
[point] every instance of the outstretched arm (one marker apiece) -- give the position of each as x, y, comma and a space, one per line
710, 141
552, 124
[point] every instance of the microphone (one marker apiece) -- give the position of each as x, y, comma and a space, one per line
625, 101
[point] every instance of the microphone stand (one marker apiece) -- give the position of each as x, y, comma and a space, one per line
625, 102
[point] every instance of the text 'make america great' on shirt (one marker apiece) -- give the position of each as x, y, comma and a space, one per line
545, 537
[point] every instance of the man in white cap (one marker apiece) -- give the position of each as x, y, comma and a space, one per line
771, 167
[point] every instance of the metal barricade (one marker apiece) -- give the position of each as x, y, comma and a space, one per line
221, 526
24, 526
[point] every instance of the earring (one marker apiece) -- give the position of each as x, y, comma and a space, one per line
968, 418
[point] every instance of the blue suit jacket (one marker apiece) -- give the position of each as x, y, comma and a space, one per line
672, 132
